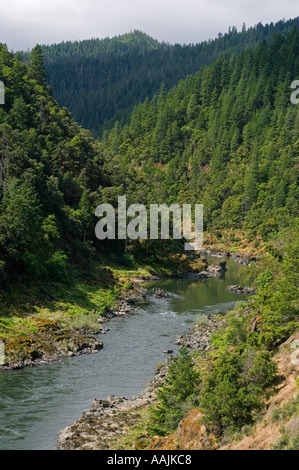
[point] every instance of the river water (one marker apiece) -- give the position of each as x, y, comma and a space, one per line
38, 402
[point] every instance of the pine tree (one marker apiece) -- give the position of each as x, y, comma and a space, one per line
36, 65
177, 395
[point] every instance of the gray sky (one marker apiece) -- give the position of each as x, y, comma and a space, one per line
24, 23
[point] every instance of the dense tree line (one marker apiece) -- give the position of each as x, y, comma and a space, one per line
100, 81
50, 171
226, 137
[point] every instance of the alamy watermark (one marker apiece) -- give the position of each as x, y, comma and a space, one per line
2, 355
294, 99
295, 354
129, 225
2, 92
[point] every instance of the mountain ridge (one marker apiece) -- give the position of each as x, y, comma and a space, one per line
100, 81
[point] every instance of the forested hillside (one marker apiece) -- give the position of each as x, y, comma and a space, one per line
50, 171
100, 81
226, 137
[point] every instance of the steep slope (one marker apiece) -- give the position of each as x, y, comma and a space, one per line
278, 426
50, 173
100, 81
226, 137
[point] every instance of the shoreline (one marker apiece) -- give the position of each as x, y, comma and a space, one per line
102, 427
106, 423
52, 343
104, 413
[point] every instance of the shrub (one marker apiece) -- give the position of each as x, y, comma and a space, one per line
56, 267
177, 396
127, 260
233, 389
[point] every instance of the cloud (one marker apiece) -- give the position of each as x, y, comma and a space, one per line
24, 23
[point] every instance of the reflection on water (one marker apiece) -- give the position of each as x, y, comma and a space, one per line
37, 402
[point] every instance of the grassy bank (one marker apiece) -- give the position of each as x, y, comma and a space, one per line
31, 313
56, 312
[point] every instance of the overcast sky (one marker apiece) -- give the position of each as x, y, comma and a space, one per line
24, 23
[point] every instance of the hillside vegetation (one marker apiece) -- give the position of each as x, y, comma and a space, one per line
100, 80
226, 137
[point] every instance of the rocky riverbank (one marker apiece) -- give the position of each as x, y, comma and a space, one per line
241, 290
107, 422
103, 426
51, 341
205, 271
199, 337
243, 259
49, 344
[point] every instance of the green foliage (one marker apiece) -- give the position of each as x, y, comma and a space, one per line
20, 218
286, 411
127, 260
212, 141
265, 279
36, 65
288, 441
233, 389
50, 174
100, 81
239, 371
177, 396
56, 267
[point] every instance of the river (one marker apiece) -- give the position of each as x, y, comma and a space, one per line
38, 402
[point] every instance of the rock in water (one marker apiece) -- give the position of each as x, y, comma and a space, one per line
241, 290
160, 293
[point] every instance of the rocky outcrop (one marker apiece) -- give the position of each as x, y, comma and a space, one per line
241, 290
52, 341
217, 268
191, 434
160, 293
199, 337
211, 271
243, 259
49, 344
126, 304
216, 254
107, 421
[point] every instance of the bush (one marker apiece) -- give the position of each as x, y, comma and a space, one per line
127, 260
35, 266
233, 389
177, 396
287, 441
56, 267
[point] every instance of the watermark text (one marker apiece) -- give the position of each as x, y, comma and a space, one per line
295, 85
2, 93
164, 222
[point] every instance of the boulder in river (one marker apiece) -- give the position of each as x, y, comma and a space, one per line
160, 293
217, 268
241, 290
